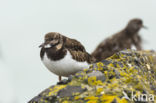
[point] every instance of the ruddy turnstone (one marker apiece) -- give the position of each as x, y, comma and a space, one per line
64, 56
124, 39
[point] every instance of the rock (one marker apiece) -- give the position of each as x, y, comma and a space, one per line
69, 91
113, 80
99, 75
65, 81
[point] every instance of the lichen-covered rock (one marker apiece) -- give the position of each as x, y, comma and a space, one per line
126, 77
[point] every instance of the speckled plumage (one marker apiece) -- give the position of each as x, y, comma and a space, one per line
64, 56
124, 39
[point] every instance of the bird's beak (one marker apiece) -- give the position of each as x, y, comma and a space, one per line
42, 45
49, 44
145, 27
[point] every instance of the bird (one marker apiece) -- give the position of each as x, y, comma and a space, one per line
64, 56
125, 39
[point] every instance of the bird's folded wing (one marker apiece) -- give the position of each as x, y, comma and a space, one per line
82, 56
74, 45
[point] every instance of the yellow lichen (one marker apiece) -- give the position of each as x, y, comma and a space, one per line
91, 98
65, 102
56, 89
92, 80
107, 98
77, 97
100, 65
99, 90
121, 100
92, 101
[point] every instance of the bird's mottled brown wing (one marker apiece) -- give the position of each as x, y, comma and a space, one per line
78, 51
74, 45
82, 56
103, 50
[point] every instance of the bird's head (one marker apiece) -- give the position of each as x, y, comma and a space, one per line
51, 40
135, 25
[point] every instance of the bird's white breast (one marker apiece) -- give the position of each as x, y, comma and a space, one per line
65, 66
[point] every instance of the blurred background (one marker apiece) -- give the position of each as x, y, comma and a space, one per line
23, 24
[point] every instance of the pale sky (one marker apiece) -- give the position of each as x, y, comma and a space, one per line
23, 24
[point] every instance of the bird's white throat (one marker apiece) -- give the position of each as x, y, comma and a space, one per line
65, 66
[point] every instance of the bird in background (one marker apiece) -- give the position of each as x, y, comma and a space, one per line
64, 56
124, 39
